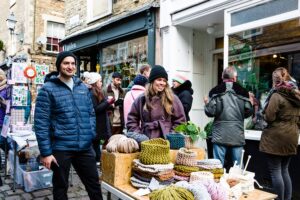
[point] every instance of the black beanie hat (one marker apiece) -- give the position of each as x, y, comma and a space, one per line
117, 75
157, 72
61, 56
140, 80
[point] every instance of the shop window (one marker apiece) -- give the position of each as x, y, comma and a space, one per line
262, 11
124, 57
55, 32
98, 8
264, 49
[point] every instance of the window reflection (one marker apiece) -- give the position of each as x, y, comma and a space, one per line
258, 52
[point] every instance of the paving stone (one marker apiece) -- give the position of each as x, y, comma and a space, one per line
82, 193
72, 195
1, 196
42, 193
15, 197
4, 188
27, 196
50, 197
11, 192
7, 181
40, 198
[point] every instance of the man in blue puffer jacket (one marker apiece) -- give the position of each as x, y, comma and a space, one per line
65, 128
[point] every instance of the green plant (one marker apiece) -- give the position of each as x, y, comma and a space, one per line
1, 45
208, 129
190, 129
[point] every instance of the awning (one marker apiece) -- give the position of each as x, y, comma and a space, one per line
97, 27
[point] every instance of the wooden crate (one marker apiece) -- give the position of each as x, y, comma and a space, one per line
116, 167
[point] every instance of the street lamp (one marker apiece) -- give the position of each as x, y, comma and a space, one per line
11, 22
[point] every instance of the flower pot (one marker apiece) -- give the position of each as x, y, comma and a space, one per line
199, 143
188, 142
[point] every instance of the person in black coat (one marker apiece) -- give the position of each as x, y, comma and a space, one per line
101, 105
183, 89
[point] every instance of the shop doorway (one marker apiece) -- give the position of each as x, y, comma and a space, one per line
219, 66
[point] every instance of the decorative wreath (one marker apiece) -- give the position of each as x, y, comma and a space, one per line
30, 72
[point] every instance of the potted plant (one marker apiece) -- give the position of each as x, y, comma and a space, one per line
192, 133
207, 131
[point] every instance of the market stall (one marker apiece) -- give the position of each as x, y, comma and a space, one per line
22, 160
120, 177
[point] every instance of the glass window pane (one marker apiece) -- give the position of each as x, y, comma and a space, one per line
257, 53
124, 57
265, 10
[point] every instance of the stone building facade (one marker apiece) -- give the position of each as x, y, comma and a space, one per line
32, 40
113, 35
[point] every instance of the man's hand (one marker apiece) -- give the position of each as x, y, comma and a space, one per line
48, 160
205, 99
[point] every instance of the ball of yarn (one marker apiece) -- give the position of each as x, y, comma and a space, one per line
127, 145
199, 190
186, 157
201, 175
216, 190
116, 137
183, 168
139, 137
155, 151
171, 193
112, 146
176, 140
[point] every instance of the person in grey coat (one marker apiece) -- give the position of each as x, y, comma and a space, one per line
229, 104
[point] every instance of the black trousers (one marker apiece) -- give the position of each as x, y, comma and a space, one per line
85, 165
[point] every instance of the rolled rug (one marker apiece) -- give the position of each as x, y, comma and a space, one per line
138, 183
152, 168
201, 175
186, 157
183, 168
155, 151
210, 161
139, 137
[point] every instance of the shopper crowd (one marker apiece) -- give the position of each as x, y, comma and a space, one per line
73, 117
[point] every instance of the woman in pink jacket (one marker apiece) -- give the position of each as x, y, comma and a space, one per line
138, 88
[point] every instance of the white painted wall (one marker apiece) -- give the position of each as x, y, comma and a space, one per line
189, 53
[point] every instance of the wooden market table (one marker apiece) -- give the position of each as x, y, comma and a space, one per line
125, 192
116, 172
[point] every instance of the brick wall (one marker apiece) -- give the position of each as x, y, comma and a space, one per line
79, 7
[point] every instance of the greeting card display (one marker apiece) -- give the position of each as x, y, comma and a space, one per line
19, 95
17, 72
41, 71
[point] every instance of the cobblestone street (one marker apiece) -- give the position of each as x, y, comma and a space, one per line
77, 191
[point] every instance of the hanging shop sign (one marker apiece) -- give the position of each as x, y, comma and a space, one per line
30, 72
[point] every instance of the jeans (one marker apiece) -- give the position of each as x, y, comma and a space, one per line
281, 180
219, 152
85, 165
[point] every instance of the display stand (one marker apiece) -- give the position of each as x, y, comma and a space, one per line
116, 173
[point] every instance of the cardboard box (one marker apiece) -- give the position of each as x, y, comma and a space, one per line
116, 167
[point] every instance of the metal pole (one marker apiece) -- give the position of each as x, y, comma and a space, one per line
15, 165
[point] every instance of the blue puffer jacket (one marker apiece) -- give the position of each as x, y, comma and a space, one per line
64, 120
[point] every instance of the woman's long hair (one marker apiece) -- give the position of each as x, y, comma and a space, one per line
167, 98
97, 92
281, 74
